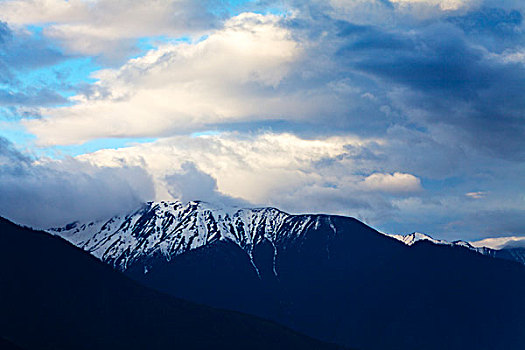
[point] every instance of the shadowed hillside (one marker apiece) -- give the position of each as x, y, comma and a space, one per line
55, 296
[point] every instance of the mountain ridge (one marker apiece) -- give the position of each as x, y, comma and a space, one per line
169, 229
516, 254
331, 277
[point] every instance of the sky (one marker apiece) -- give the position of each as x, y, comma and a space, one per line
406, 114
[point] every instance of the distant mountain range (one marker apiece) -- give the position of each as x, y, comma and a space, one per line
330, 277
511, 253
169, 229
56, 296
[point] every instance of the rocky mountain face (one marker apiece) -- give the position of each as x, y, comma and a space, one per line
331, 277
166, 230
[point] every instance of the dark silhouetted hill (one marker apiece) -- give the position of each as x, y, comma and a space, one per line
55, 296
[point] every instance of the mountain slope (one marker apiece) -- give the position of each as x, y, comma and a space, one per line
330, 277
169, 229
507, 253
54, 296
416, 237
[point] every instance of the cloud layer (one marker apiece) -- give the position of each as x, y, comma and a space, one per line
107, 28
182, 87
344, 175
408, 114
49, 194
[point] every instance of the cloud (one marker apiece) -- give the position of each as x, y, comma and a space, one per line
342, 106
318, 73
492, 21
476, 195
268, 169
442, 75
231, 75
494, 222
191, 184
24, 51
109, 28
442, 4
501, 242
20, 53
346, 175
252, 167
4, 32
47, 193
31, 97
396, 183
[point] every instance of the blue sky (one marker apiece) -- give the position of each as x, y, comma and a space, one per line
406, 114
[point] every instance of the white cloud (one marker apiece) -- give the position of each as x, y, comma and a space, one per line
190, 184
442, 4
395, 183
476, 195
318, 76
500, 242
105, 27
511, 56
176, 88
254, 168
269, 169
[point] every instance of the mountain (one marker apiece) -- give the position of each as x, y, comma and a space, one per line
170, 229
501, 242
508, 253
55, 296
331, 277
416, 237
512, 254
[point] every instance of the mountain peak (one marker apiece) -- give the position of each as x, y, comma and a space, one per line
414, 237
172, 228
169, 228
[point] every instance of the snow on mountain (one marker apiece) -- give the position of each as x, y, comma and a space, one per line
168, 229
495, 247
415, 237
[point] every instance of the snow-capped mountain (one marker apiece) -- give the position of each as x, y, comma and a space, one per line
328, 276
416, 237
54, 296
168, 229
511, 253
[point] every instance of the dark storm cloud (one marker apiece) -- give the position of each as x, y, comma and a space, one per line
58, 192
445, 92
445, 72
436, 60
452, 82
440, 73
